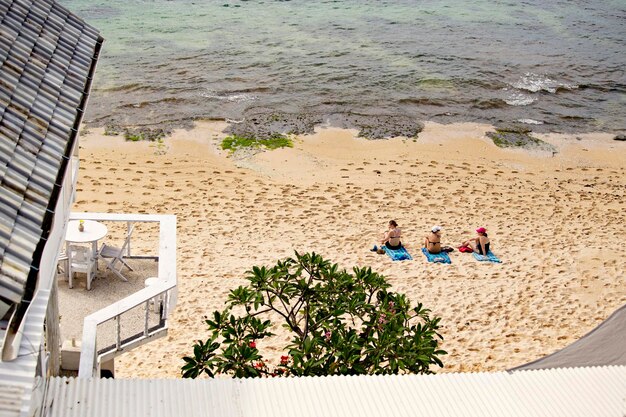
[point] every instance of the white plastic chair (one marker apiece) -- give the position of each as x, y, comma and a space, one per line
62, 266
114, 256
81, 260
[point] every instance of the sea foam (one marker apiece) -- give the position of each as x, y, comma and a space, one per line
530, 121
535, 83
236, 98
519, 99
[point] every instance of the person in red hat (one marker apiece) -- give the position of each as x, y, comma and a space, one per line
478, 244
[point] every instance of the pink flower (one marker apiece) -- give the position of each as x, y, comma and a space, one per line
252, 344
327, 335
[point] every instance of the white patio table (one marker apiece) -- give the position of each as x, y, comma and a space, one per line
92, 232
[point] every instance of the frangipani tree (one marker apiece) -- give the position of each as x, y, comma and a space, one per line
341, 323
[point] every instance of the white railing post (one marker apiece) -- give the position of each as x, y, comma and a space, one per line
88, 350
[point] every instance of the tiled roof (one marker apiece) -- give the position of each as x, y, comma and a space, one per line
47, 59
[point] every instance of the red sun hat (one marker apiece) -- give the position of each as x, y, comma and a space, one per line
481, 230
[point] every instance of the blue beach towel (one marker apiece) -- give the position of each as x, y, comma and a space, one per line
397, 254
440, 258
490, 257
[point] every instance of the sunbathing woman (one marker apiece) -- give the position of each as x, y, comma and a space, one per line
479, 244
391, 238
432, 242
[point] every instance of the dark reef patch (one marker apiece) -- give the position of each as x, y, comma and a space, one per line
263, 125
138, 133
517, 136
378, 126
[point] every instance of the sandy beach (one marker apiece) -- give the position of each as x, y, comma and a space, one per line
555, 220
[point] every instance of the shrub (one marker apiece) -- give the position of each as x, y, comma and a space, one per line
341, 323
232, 143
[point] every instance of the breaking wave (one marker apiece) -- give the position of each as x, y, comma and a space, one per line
233, 98
535, 83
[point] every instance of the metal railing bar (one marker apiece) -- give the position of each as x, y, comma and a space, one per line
147, 317
156, 258
128, 226
138, 336
162, 293
126, 347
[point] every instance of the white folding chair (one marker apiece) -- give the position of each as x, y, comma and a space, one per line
81, 260
62, 266
114, 256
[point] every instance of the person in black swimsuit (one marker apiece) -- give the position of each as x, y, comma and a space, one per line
479, 248
432, 241
391, 238
479, 244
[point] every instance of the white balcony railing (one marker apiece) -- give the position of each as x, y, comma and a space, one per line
163, 290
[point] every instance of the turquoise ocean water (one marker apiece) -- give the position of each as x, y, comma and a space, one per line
556, 65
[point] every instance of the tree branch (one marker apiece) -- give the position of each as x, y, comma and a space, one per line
259, 312
306, 321
293, 326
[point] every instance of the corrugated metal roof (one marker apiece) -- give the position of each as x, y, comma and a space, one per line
571, 392
47, 58
10, 399
602, 346
20, 375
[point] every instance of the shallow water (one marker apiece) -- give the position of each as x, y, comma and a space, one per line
556, 65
